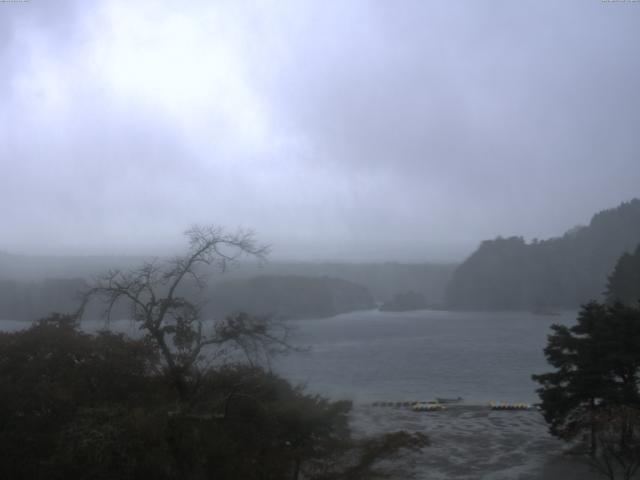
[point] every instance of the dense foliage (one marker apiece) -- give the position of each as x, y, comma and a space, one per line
617, 434
597, 366
32, 300
80, 406
187, 401
383, 280
508, 273
32, 286
624, 283
282, 295
66, 398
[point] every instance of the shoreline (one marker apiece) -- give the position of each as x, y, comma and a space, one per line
474, 442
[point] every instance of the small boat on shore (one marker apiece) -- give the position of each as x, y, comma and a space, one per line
509, 406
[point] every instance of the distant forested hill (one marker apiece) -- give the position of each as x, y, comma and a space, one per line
404, 302
33, 286
34, 300
286, 295
289, 296
34, 268
624, 282
384, 279
508, 273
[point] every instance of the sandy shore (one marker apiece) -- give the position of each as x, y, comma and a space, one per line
474, 442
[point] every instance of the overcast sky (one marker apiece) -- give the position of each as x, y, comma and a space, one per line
373, 130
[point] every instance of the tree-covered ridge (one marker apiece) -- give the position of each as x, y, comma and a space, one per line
406, 301
32, 300
382, 279
80, 406
31, 287
624, 283
284, 295
290, 296
509, 273
188, 400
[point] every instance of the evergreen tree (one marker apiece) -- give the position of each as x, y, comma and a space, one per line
624, 283
596, 363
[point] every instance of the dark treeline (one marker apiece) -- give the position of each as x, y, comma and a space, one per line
505, 273
74, 405
289, 289
34, 268
592, 392
624, 283
283, 296
406, 301
185, 401
289, 296
384, 280
564, 272
33, 300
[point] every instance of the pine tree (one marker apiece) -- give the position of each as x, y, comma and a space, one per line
596, 363
624, 283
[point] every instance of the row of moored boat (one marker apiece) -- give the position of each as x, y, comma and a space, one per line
438, 405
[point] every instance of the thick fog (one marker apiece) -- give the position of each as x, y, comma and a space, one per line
370, 130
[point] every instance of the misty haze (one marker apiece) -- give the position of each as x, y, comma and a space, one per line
320, 240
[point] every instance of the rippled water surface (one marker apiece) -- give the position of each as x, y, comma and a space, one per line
371, 355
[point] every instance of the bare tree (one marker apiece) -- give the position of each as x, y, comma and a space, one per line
174, 323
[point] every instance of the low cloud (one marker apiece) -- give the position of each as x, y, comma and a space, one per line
359, 130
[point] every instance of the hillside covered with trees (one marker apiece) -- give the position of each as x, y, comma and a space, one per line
406, 301
562, 272
36, 299
624, 283
383, 279
280, 295
106, 406
289, 296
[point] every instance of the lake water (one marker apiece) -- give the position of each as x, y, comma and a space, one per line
480, 356
383, 356
372, 356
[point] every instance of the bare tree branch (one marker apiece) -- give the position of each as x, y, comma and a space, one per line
174, 323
